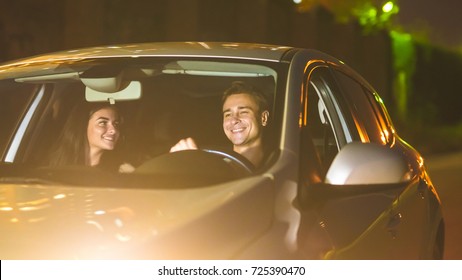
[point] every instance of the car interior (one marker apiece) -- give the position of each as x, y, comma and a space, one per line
159, 106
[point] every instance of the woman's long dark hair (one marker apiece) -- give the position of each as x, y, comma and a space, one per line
72, 145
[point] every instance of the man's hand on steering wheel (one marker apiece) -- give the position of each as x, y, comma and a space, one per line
184, 144
190, 144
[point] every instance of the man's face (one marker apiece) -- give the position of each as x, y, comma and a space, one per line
242, 122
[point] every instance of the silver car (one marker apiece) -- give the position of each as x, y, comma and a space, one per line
337, 181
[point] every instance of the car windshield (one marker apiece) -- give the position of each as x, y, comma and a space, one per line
160, 101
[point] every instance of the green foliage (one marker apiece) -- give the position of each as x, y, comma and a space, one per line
404, 60
371, 14
373, 17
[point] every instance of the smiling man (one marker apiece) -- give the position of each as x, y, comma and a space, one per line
245, 114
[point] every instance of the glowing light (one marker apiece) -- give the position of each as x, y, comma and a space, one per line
99, 212
96, 224
59, 196
404, 65
388, 7
118, 222
387, 134
33, 207
206, 46
382, 137
297, 1
420, 161
122, 237
36, 220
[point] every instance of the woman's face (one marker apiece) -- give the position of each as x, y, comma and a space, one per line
103, 130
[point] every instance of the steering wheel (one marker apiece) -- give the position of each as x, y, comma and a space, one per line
234, 158
201, 162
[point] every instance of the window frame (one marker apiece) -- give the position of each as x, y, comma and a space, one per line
373, 121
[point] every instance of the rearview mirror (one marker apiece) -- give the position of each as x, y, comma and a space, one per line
131, 92
367, 163
108, 84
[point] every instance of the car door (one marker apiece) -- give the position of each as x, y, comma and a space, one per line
407, 221
353, 224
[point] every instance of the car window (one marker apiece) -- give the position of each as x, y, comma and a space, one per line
174, 103
320, 126
361, 107
382, 115
14, 100
326, 123
333, 105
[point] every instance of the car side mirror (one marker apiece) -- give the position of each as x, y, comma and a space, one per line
367, 163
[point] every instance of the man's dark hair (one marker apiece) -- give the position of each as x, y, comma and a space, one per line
238, 87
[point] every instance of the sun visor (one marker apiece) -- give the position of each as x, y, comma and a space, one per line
130, 92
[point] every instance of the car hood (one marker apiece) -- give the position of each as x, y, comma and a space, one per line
63, 222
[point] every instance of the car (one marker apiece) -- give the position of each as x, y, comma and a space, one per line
338, 182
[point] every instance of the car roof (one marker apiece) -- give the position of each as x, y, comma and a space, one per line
57, 61
207, 49
249, 51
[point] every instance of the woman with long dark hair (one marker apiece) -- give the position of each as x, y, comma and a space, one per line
89, 137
